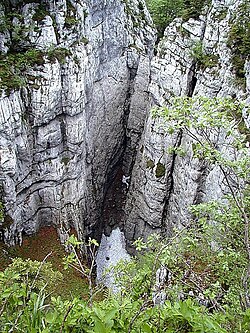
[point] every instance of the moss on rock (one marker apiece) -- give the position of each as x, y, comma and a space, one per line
150, 164
160, 170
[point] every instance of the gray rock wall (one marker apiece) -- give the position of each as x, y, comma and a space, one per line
75, 128
63, 134
164, 185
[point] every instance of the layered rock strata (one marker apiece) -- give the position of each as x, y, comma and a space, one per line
70, 135
193, 59
63, 133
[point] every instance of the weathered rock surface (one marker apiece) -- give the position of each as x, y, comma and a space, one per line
63, 135
75, 127
111, 251
164, 185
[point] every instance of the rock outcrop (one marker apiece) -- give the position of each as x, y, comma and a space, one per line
82, 109
78, 146
193, 59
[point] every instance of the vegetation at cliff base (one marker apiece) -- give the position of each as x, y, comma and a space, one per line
196, 281
35, 248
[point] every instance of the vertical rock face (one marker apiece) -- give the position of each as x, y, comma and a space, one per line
80, 112
77, 87
192, 59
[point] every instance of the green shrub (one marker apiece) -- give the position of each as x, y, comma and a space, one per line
164, 11
14, 65
41, 12
203, 59
193, 8
23, 287
39, 275
239, 39
58, 53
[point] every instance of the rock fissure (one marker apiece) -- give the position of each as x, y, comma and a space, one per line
77, 136
166, 228
192, 59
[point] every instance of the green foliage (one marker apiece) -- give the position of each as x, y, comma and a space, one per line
164, 11
239, 38
203, 59
22, 295
14, 65
193, 8
202, 114
73, 260
179, 151
13, 24
84, 40
5, 23
21, 55
70, 19
32, 312
160, 170
58, 53
41, 12
26, 271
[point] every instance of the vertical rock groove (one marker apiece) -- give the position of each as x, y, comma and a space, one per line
76, 128
64, 133
193, 59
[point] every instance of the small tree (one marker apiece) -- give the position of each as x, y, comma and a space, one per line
205, 120
74, 260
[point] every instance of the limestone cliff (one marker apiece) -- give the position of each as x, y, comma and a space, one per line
193, 58
77, 84
64, 128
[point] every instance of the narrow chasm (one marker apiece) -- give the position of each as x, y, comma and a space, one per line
114, 202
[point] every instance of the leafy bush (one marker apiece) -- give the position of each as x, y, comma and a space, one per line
239, 38
202, 58
13, 66
23, 287
193, 8
164, 11
58, 53
205, 284
38, 274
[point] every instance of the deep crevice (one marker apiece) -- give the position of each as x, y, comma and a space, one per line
116, 190
166, 228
